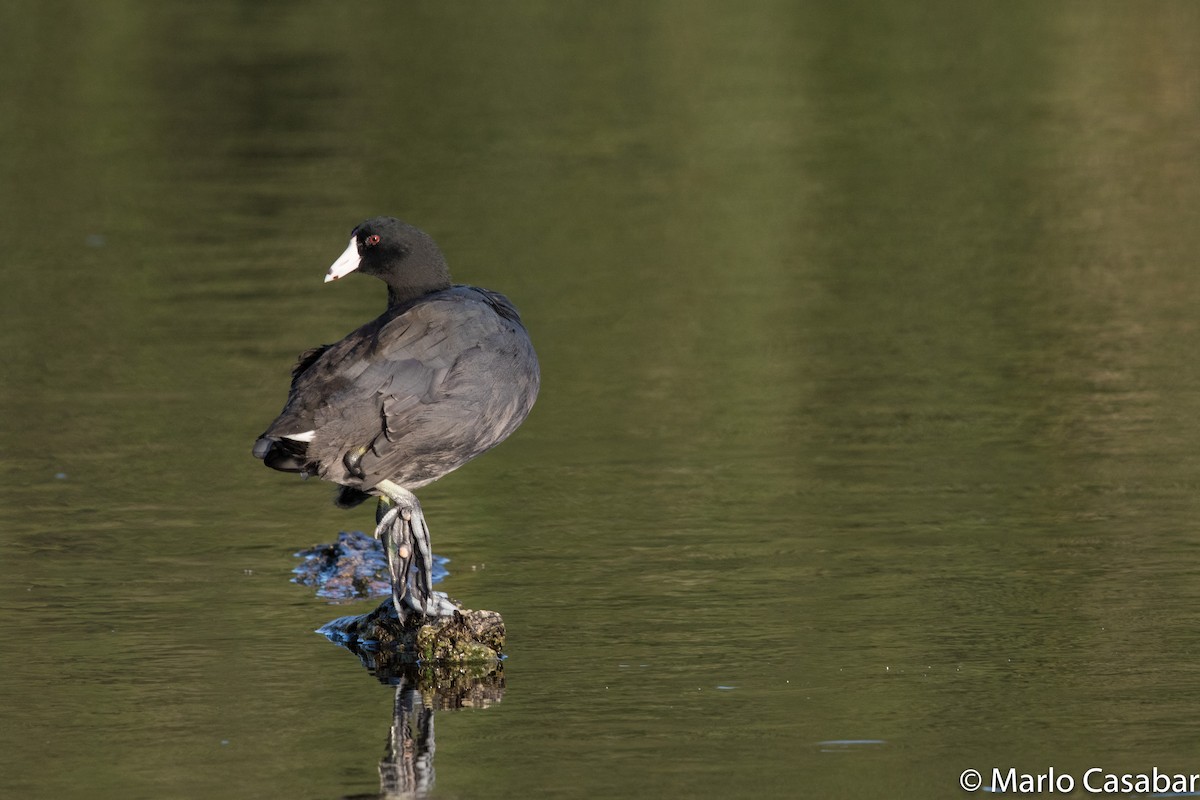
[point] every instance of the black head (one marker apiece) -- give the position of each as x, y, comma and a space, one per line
402, 256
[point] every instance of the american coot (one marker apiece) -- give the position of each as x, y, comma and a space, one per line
445, 373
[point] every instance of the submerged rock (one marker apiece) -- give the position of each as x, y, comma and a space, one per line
352, 568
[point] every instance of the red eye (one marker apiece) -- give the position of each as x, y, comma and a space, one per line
372, 240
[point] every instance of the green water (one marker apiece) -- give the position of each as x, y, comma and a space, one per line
870, 393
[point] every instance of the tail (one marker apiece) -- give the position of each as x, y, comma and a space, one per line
285, 455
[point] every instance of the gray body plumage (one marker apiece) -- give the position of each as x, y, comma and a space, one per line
411, 395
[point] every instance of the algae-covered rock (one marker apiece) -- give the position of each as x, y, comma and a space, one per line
464, 638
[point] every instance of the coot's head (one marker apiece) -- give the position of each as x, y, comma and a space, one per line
401, 255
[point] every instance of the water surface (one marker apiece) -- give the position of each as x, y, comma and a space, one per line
866, 447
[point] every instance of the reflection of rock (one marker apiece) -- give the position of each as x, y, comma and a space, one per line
354, 566
406, 769
387, 646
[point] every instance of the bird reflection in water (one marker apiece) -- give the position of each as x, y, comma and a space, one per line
406, 769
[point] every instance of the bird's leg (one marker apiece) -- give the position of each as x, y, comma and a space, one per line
411, 535
397, 544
